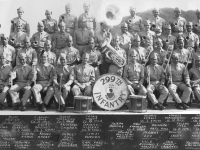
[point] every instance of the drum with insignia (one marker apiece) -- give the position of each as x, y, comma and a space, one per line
138, 103
82, 104
110, 92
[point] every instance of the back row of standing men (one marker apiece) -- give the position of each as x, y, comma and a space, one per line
153, 38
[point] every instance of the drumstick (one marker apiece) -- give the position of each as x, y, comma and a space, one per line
61, 75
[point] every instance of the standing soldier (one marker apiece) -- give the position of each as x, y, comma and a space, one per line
177, 23
155, 76
31, 55
23, 75
50, 25
5, 70
25, 24
65, 77
179, 79
60, 39
156, 20
95, 58
84, 77
134, 22
8, 50
90, 20
70, 21
115, 68
45, 73
82, 36
196, 24
134, 75
39, 38
16, 38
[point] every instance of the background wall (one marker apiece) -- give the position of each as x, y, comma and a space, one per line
35, 9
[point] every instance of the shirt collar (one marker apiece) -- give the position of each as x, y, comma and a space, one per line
46, 64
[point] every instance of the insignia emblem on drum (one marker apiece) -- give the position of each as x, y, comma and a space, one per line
110, 92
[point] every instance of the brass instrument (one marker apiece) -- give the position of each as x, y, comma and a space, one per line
147, 58
168, 60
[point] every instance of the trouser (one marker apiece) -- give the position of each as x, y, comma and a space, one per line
37, 88
103, 68
97, 73
161, 89
61, 97
197, 91
14, 93
182, 86
57, 52
86, 92
140, 89
81, 48
70, 31
3, 94
115, 69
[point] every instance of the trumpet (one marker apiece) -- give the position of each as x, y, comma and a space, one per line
147, 58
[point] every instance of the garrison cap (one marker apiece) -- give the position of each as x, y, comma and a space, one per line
197, 11
189, 23
85, 55
177, 9
68, 6
146, 22
134, 52
136, 38
20, 9
63, 55
27, 39
22, 55
167, 26
86, 5
48, 11
124, 25
156, 9
61, 24
180, 38
40, 23
47, 42
175, 55
154, 55
131, 8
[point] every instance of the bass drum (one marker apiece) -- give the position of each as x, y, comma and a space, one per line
110, 92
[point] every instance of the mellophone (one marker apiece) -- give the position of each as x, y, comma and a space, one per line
110, 92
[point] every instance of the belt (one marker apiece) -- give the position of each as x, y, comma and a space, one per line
135, 81
82, 44
155, 82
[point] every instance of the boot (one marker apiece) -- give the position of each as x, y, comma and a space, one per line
179, 106
184, 106
161, 106
16, 106
43, 108
62, 108
1, 106
156, 107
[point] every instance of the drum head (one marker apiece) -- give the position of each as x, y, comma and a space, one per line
110, 92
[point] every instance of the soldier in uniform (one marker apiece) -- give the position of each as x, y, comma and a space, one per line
82, 36
147, 36
84, 77
72, 54
114, 68
196, 24
134, 75
31, 55
4, 79
16, 38
177, 23
154, 73
50, 25
65, 77
95, 58
134, 22
90, 19
179, 79
25, 24
8, 50
45, 73
156, 20
23, 75
70, 20
60, 39
38, 38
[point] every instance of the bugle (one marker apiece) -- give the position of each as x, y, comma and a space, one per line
147, 58
168, 60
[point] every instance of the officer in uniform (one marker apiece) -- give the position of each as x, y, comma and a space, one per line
72, 54
45, 75
4, 79
134, 75
156, 20
16, 38
60, 39
82, 36
179, 79
31, 55
8, 50
196, 24
154, 73
50, 25
25, 24
23, 75
114, 68
70, 20
90, 20
134, 22
178, 23
38, 38
65, 77
95, 58
84, 77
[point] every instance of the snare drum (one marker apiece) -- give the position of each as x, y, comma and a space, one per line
82, 104
138, 103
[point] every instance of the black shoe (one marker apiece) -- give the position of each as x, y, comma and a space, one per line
16, 106
179, 106
23, 108
165, 104
43, 108
184, 106
1, 106
161, 106
62, 108
156, 107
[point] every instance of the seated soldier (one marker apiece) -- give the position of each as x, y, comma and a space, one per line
65, 74
23, 75
134, 75
84, 77
156, 79
45, 73
179, 79
4, 79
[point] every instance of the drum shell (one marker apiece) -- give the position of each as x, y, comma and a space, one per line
82, 105
138, 104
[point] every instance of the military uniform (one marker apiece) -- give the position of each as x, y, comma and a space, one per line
196, 24
142, 54
9, 52
184, 55
158, 22
51, 58
162, 56
18, 38
168, 42
50, 26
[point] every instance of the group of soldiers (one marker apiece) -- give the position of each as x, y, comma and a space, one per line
68, 56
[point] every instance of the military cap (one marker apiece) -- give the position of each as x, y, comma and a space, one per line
40, 23
156, 9
61, 24
85, 55
116, 36
124, 25
131, 8
158, 40
189, 23
197, 11
63, 55
180, 38
22, 55
48, 11
134, 52
68, 6
44, 53
20, 9
137, 38
27, 39
3, 55
167, 26
70, 37
91, 39
158, 29
146, 22
177, 9
47, 42
86, 5
83, 19
175, 55
154, 55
